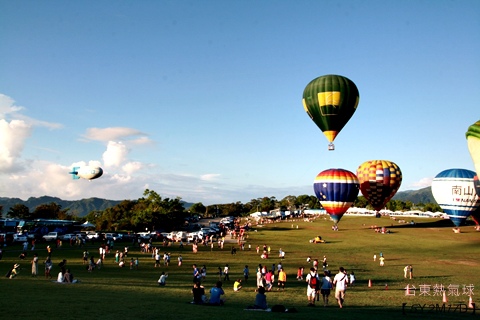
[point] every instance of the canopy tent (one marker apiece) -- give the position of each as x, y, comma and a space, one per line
87, 224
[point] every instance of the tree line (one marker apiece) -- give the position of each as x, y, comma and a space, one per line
152, 212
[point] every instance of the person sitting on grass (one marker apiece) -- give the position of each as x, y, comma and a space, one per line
237, 285
68, 277
215, 295
260, 299
60, 277
198, 292
163, 279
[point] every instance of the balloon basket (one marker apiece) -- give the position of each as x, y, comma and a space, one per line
331, 147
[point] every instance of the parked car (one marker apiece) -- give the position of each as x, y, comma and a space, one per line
181, 236
197, 235
127, 236
144, 235
67, 237
92, 235
19, 238
111, 236
51, 236
208, 231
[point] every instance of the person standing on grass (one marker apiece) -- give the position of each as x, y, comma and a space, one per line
196, 274
246, 273
259, 278
410, 271
268, 280
203, 272
312, 280
340, 281
34, 265
326, 286
180, 259
382, 261
226, 271
282, 279
352, 278
48, 268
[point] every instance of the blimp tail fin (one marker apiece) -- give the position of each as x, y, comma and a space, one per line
74, 173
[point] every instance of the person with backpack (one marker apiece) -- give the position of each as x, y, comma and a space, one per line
312, 280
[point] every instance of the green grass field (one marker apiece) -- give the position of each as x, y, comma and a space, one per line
438, 256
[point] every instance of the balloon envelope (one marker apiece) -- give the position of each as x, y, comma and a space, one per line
453, 189
473, 142
379, 181
330, 101
336, 189
86, 172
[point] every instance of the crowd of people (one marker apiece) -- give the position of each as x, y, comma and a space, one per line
318, 278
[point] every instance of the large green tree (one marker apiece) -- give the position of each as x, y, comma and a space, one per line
19, 211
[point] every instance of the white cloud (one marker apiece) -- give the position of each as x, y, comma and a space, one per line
7, 106
8, 110
113, 133
115, 155
132, 167
209, 176
422, 183
12, 140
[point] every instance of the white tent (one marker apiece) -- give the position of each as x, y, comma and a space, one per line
87, 224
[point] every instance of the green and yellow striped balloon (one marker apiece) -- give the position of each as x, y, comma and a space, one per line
330, 101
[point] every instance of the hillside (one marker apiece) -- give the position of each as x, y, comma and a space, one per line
416, 196
79, 208
76, 207
83, 207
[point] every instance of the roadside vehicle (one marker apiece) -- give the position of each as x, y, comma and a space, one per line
19, 237
208, 231
51, 236
92, 235
67, 237
192, 236
181, 236
111, 236
144, 235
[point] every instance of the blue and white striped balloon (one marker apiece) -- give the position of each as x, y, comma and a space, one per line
454, 191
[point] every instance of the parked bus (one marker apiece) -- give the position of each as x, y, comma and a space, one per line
37, 228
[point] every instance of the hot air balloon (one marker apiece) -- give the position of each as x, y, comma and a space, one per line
379, 181
336, 189
473, 141
453, 189
330, 101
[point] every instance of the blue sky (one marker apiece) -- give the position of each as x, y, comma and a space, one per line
202, 99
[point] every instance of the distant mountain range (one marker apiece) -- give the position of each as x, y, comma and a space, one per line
416, 196
79, 208
83, 207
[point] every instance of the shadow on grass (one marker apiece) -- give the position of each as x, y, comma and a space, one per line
431, 224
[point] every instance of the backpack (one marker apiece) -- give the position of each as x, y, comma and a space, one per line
313, 282
278, 308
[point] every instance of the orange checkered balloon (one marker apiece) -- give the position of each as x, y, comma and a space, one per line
379, 181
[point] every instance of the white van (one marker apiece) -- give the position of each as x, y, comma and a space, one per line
181, 236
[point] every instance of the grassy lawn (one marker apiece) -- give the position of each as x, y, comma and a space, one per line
438, 256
